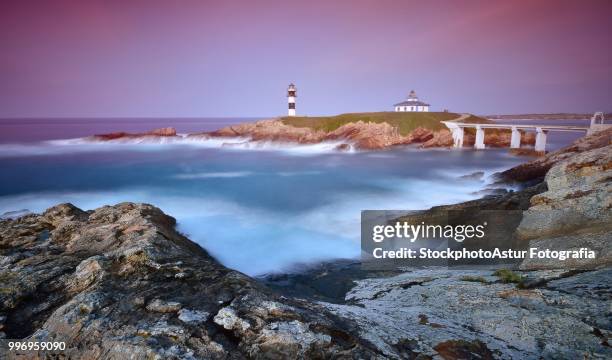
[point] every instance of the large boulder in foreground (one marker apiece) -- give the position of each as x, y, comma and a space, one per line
442, 313
121, 282
575, 212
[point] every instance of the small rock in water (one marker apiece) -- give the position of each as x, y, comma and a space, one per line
490, 191
343, 147
478, 175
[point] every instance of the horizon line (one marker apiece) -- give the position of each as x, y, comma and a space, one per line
270, 117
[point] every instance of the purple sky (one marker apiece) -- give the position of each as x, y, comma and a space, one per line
236, 58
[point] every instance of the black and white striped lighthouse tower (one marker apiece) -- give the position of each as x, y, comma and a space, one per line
291, 95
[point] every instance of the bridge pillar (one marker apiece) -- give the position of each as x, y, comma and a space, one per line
540, 144
597, 123
479, 144
515, 140
458, 137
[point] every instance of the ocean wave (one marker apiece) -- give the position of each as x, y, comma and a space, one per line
291, 148
258, 240
76, 145
248, 239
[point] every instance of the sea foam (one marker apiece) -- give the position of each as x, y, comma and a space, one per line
78, 145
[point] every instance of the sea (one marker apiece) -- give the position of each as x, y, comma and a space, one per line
260, 208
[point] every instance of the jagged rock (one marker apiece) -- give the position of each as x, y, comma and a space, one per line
420, 135
343, 147
104, 282
442, 138
89, 270
167, 131
538, 168
291, 339
574, 212
228, 318
367, 135
270, 130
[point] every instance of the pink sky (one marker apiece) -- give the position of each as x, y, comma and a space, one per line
235, 58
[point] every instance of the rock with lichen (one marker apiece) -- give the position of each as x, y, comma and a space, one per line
105, 282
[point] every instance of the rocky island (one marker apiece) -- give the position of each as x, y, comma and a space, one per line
362, 131
120, 280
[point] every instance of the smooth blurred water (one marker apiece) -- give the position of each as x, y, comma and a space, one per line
257, 211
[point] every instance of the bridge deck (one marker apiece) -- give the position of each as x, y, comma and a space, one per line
457, 129
524, 127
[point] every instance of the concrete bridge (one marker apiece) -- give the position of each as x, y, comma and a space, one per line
457, 129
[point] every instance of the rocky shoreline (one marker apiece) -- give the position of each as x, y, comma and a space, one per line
120, 281
355, 135
545, 309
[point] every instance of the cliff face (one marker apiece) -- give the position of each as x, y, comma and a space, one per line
362, 135
575, 212
119, 281
576, 209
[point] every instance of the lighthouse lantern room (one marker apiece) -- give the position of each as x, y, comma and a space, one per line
291, 95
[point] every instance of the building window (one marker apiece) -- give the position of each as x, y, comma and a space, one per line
291, 105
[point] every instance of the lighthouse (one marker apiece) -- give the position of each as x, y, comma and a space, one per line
291, 95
